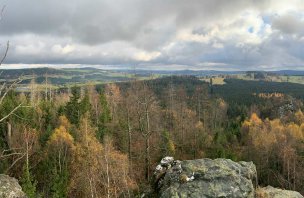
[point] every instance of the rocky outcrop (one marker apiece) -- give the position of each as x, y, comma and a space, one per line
206, 178
10, 188
271, 192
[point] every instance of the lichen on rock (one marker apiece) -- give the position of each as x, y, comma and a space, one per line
271, 192
10, 188
204, 178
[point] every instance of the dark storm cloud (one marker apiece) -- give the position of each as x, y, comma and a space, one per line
160, 32
97, 21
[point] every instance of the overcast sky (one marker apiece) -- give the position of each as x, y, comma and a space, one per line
159, 34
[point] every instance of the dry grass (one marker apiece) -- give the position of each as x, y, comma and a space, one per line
215, 81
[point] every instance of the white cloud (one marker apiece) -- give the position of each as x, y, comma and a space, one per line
58, 49
144, 56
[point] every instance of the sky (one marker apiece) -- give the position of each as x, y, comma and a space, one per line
154, 34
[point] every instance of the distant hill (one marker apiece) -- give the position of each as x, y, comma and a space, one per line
15, 73
91, 74
60, 76
289, 72
183, 72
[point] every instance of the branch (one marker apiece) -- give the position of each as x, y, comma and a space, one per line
9, 150
9, 88
2, 11
15, 109
7, 44
5, 54
11, 154
2, 87
16, 161
20, 116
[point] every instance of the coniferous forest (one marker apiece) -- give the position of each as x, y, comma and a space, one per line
105, 140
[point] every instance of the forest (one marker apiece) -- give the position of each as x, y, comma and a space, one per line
105, 140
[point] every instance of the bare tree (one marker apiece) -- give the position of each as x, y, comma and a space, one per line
146, 108
5, 88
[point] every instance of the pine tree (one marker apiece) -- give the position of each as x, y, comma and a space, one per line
73, 107
28, 184
104, 118
85, 105
59, 184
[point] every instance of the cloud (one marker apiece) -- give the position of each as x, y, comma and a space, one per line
289, 24
200, 34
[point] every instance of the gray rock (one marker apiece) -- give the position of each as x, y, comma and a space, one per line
10, 188
205, 178
271, 192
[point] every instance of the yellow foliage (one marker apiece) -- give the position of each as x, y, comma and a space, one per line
264, 134
98, 166
63, 121
246, 123
199, 125
294, 130
255, 119
61, 137
278, 129
299, 117
302, 129
171, 147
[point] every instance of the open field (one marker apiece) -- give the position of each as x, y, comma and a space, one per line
215, 80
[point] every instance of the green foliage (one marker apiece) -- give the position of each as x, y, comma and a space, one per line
46, 134
237, 111
28, 183
76, 108
73, 106
241, 91
48, 113
167, 146
59, 183
104, 118
85, 105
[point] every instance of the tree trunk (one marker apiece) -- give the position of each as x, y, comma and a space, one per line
9, 134
147, 159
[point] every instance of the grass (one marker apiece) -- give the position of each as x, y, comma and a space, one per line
215, 80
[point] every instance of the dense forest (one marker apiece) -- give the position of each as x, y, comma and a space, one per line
105, 140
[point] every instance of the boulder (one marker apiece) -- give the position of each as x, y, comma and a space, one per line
10, 188
204, 178
271, 192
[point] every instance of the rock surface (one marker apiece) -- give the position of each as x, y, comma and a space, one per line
271, 192
10, 188
204, 178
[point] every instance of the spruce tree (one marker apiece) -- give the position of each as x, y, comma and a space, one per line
104, 118
28, 184
73, 106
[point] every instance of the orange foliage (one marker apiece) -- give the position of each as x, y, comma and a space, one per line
254, 119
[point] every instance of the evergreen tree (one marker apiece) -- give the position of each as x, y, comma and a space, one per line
59, 184
85, 105
72, 108
28, 184
104, 118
